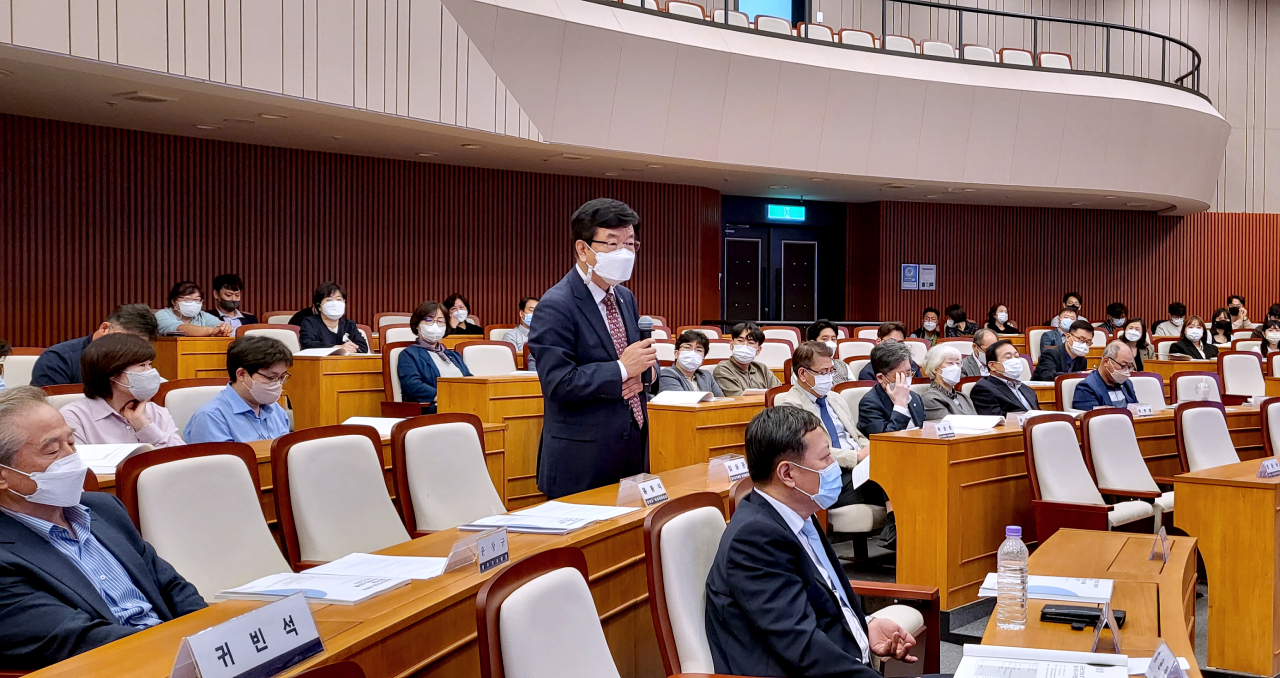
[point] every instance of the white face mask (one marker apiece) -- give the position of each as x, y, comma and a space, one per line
1273, 337
951, 375
1176, 322
615, 267
822, 384
1080, 348
1012, 368
831, 345
189, 309
264, 394
1133, 335
690, 360
744, 354
333, 309
431, 332
460, 315
1119, 322
1066, 324
951, 323
1195, 333
528, 319
59, 485
1002, 317
930, 326
144, 385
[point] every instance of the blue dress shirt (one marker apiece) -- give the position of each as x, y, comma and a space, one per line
169, 321
228, 418
108, 577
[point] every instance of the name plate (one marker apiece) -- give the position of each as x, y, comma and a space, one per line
491, 549
1160, 545
1140, 410
645, 489
1164, 664
1109, 621
1270, 468
730, 467
938, 429
653, 492
260, 643
1015, 419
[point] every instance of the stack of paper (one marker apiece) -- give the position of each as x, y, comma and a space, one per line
552, 517
995, 661
1064, 589
681, 398
319, 352
973, 423
391, 567
328, 588
382, 424
1038, 383
105, 459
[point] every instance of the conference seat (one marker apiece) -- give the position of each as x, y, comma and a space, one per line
853, 36
1241, 334
1019, 57
200, 507
773, 24
62, 395
856, 365
488, 358
394, 334
978, 53
18, 365
289, 335
1064, 390
936, 48
1163, 344
900, 43
1027, 368
719, 349
774, 353
787, 334
658, 320
1273, 364
774, 392
1182, 385
962, 344
393, 404
537, 614
440, 472
851, 348
183, 397
1100, 337
853, 391
276, 317
1111, 452
815, 32
1270, 415
1055, 60
495, 332
1149, 387
735, 18
709, 330
660, 332
966, 385
367, 333
331, 494
1203, 438
666, 349
648, 4
918, 347
390, 318
919, 385
1034, 334
1241, 373
1063, 492
1250, 344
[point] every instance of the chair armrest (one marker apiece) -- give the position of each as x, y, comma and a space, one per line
1163, 480
1233, 400
930, 610
1075, 508
1133, 494
404, 410
879, 589
308, 564
1052, 516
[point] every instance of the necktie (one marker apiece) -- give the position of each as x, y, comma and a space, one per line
619, 336
828, 422
819, 550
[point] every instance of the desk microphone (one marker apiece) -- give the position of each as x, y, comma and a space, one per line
646, 332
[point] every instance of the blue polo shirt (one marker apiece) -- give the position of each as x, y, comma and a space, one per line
228, 418
60, 363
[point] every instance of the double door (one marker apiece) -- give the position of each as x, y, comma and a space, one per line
770, 273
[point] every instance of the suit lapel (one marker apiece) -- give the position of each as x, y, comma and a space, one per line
24, 543
587, 305
117, 543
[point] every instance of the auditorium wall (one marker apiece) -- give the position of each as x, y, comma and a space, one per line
93, 217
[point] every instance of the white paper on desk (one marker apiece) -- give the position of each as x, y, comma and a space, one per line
105, 459
528, 524
973, 423
1062, 589
861, 473
318, 352
393, 567
680, 398
328, 588
559, 509
382, 424
755, 391
1138, 665
1006, 667
1038, 383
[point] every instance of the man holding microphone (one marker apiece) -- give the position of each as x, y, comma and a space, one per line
591, 359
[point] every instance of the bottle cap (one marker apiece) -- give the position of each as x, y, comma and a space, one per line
1013, 531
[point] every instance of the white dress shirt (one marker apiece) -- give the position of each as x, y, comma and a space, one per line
796, 523
598, 295
842, 435
1017, 392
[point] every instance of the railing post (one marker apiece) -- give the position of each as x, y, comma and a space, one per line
960, 34
1035, 42
808, 17
884, 23
1108, 49
1164, 57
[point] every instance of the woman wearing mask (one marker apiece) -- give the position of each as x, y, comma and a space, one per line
960, 325
942, 365
1135, 336
1270, 332
742, 371
185, 314
825, 331
1220, 331
998, 320
684, 375
422, 363
330, 325
119, 383
1194, 340
459, 310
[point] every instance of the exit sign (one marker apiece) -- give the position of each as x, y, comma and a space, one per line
786, 212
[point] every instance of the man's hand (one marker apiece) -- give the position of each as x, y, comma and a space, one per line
900, 390
631, 387
350, 347
890, 640
224, 330
134, 412
639, 357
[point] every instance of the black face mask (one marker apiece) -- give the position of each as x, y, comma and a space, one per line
1234, 311
228, 305
1222, 325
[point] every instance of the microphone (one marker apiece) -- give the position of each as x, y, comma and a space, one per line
646, 332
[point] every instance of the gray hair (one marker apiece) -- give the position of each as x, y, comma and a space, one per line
980, 334
13, 403
1113, 349
888, 355
939, 354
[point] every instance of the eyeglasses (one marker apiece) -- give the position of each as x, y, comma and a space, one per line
820, 374
429, 321
745, 342
687, 347
282, 379
197, 299
634, 246
1123, 366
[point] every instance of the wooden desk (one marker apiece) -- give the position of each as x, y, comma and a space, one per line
428, 628
1234, 515
1046, 397
514, 401
1167, 368
1158, 597
680, 435
953, 498
328, 390
191, 357
1273, 386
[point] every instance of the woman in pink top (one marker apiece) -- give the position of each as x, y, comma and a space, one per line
119, 383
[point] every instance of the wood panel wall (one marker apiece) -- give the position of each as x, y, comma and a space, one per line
93, 217
1027, 258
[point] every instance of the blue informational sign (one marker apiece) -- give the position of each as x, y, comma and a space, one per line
786, 213
754, 8
911, 276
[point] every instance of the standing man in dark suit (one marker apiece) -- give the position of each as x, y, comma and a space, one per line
890, 405
590, 359
778, 603
74, 572
1001, 392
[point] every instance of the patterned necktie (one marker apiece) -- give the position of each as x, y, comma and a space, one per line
619, 336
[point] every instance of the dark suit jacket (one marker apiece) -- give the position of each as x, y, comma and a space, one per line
1092, 392
60, 363
768, 612
867, 374
589, 437
1180, 346
1056, 361
992, 396
315, 334
876, 415
48, 609
418, 374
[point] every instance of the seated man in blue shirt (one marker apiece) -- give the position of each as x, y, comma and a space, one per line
74, 572
246, 410
1108, 386
60, 363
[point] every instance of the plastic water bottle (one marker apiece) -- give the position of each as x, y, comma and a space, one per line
1202, 389
1011, 580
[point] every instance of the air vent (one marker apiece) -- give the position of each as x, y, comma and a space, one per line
143, 97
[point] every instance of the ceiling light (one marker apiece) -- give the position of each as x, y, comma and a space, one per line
969, 190
428, 154
611, 174
656, 166
1109, 197
272, 116
817, 179
1138, 204
208, 127
1078, 204
898, 186
143, 97
777, 186
931, 196
472, 146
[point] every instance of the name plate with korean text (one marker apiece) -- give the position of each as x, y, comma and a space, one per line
256, 644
